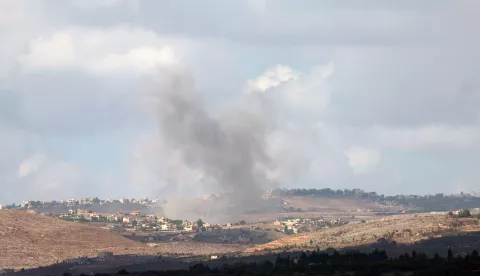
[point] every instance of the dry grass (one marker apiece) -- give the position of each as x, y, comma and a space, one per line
29, 240
403, 228
197, 248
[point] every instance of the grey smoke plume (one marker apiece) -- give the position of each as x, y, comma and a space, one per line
230, 152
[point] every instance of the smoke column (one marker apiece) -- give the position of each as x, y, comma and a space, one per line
230, 152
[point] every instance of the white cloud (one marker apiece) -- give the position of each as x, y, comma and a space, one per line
305, 149
362, 160
300, 98
102, 51
139, 59
41, 178
273, 77
99, 4
383, 78
11, 11
55, 179
13, 147
30, 165
55, 51
425, 137
257, 5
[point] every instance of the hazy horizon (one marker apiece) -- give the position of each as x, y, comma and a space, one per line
132, 98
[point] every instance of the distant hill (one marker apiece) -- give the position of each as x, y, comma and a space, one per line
328, 204
30, 240
419, 203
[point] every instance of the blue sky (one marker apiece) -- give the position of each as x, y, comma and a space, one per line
380, 95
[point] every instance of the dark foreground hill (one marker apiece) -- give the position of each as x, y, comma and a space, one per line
376, 262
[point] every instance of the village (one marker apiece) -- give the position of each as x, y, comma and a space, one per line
146, 226
138, 222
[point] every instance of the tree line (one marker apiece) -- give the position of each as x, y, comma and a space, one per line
352, 262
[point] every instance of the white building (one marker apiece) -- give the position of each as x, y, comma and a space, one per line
124, 200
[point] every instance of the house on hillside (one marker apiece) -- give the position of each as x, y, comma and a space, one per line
135, 213
165, 227
162, 220
83, 212
114, 218
126, 220
124, 200
87, 200
95, 217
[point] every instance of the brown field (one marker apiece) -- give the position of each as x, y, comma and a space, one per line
197, 248
402, 228
29, 240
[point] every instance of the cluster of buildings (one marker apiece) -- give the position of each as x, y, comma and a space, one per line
31, 204
298, 225
133, 220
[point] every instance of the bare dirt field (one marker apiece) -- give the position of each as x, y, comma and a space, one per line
29, 240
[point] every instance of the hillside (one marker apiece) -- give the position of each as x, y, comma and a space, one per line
326, 204
29, 240
402, 229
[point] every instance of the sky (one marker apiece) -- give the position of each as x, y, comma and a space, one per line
378, 95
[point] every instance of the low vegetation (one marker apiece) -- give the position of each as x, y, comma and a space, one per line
351, 263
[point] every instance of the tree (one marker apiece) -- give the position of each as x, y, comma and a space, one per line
475, 253
200, 223
242, 222
95, 200
464, 213
134, 223
450, 255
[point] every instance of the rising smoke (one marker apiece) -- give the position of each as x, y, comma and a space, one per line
266, 138
230, 152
